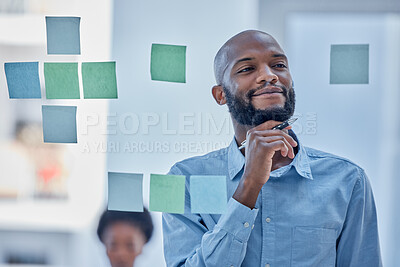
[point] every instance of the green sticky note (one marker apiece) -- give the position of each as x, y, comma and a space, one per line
208, 194
168, 63
59, 124
167, 193
125, 191
349, 64
99, 80
61, 80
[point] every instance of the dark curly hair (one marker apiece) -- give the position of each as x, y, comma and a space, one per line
141, 220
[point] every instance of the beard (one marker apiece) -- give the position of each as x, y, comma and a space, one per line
243, 111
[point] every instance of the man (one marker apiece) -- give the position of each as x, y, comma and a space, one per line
288, 205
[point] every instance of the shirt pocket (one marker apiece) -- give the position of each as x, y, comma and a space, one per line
313, 246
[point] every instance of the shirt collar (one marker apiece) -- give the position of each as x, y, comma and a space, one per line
301, 162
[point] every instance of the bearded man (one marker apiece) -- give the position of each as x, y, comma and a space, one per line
288, 205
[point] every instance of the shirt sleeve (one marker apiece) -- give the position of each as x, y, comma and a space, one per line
358, 243
188, 242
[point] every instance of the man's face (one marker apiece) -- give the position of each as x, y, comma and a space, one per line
257, 82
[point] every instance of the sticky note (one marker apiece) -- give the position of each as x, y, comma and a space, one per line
208, 194
167, 193
168, 63
59, 124
349, 64
63, 36
61, 80
125, 191
99, 80
23, 79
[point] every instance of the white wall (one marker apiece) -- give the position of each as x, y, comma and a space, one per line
358, 121
203, 26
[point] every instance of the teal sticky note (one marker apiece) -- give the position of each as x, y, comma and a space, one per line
99, 80
167, 193
59, 124
61, 80
349, 64
168, 63
208, 194
23, 79
125, 191
63, 35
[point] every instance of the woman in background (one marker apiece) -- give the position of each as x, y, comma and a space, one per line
124, 234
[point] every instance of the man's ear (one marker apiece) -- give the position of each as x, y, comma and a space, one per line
219, 94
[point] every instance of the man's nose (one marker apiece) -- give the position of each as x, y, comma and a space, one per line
266, 74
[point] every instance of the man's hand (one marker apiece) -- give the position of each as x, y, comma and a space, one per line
261, 145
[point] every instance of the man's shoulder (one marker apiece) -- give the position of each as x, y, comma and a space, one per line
329, 160
200, 164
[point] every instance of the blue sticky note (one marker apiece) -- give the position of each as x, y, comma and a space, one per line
208, 194
63, 36
349, 64
59, 124
125, 191
23, 79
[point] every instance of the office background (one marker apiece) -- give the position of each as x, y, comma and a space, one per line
57, 226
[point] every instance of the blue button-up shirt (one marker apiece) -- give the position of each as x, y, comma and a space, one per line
317, 211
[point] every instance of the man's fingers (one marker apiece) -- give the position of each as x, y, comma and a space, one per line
265, 133
281, 144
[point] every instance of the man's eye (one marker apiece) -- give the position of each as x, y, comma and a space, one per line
245, 69
280, 65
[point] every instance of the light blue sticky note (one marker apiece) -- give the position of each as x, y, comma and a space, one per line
63, 36
59, 124
125, 191
23, 79
208, 194
349, 64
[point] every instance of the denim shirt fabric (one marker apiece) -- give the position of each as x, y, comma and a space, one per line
317, 211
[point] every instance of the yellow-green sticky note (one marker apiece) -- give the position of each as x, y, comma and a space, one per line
61, 80
99, 80
349, 64
168, 63
167, 193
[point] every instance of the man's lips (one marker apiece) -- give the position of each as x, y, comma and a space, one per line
268, 90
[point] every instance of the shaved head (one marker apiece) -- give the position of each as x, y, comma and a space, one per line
227, 52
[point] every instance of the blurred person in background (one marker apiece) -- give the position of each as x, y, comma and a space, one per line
124, 235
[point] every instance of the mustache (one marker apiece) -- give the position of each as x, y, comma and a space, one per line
252, 92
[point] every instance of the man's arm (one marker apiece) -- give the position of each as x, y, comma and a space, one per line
188, 242
358, 243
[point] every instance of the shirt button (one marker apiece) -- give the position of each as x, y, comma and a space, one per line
268, 220
252, 227
246, 224
267, 265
